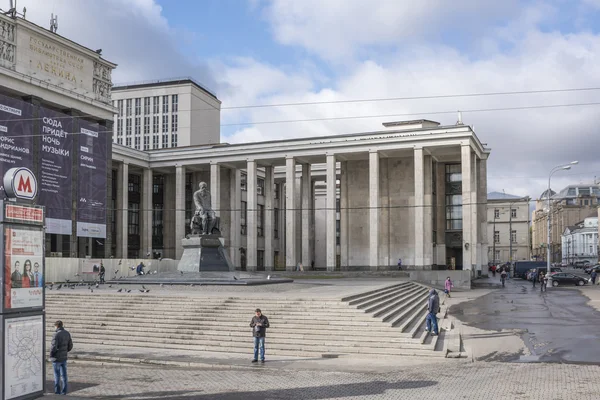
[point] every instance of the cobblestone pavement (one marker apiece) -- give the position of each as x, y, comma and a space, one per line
489, 381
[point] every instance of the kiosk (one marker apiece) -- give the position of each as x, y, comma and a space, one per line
22, 262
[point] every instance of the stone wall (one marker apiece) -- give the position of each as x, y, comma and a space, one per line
61, 269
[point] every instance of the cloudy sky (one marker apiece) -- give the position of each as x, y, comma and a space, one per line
289, 51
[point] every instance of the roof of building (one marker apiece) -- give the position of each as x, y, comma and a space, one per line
564, 193
412, 122
545, 194
164, 82
502, 196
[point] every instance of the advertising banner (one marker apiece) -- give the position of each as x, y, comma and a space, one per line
91, 208
23, 267
16, 135
56, 168
23, 356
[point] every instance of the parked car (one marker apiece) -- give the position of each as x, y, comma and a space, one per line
563, 278
596, 267
581, 264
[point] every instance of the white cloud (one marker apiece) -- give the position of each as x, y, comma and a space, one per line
134, 34
526, 144
337, 29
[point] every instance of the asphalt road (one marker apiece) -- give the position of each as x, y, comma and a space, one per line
557, 326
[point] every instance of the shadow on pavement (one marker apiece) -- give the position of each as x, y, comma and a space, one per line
318, 392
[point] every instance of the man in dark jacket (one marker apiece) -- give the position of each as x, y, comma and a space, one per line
59, 349
433, 307
259, 325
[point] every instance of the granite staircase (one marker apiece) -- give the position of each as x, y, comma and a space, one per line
389, 321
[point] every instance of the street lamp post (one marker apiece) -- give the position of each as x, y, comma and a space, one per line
555, 169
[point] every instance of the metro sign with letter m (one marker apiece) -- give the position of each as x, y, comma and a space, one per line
20, 183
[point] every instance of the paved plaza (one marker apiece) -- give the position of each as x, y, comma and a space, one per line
448, 380
500, 364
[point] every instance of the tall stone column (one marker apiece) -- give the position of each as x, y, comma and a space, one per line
483, 222
428, 212
122, 209
215, 187
290, 213
179, 209
235, 187
466, 171
147, 206
418, 208
306, 201
331, 177
251, 218
475, 243
269, 218
374, 210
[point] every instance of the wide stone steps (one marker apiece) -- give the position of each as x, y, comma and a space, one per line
387, 321
245, 348
115, 310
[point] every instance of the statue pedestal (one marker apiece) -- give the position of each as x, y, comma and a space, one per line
204, 253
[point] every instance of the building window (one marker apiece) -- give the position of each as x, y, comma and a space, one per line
243, 217
337, 205
174, 123
128, 127
276, 190
513, 213
146, 125
165, 123
128, 141
146, 105
156, 104
260, 219
119, 141
119, 127
513, 236
137, 142
165, 141
165, 103
155, 142
337, 232
453, 197
128, 107
133, 219
496, 213
173, 140
155, 124
137, 126
497, 255
138, 106
276, 223
133, 183
243, 180
175, 101
496, 237
260, 187
513, 255
120, 107
586, 202
146, 143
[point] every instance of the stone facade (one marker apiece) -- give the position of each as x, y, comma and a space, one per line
350, 202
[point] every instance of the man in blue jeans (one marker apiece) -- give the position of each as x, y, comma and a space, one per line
59, 349
433, 307
259, 325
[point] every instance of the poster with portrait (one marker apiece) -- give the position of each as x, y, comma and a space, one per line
23, 268
23, 356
